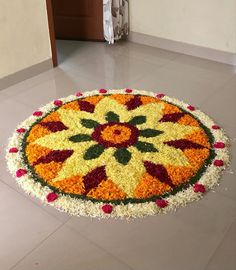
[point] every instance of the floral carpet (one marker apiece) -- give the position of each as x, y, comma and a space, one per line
117, 153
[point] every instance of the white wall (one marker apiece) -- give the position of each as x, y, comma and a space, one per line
207, 23
24, 36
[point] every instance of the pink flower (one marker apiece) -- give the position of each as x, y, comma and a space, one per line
199, 188
219, 145
79, 94
57, 102
102, 91
191, 108
37, 113
218, 163
20, 130
128, 90
161, 95
13, 150
161, 203
52, 197
21, 172
215, 127
107, 208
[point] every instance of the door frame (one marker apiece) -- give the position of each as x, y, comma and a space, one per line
52, 32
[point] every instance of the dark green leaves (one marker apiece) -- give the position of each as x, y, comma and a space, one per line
89, 123
112, 117
149, 132
137, 120
122, 155
80, 138
145, 147
94, 152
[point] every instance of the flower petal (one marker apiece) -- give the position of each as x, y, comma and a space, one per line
138, 120
122, 155
145, 147
94, 151
148, 132
112, 117
80, 138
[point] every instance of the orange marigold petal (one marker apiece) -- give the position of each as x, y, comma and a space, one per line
35, 151
146, 100
71, 106
188, 120
150, 186
54, 116
107, 190
196, 157
93, 99
36, 132
121, 98
179, 175
72, 185
169, 108
199, 137
48, 171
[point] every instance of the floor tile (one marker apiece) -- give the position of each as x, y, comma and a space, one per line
66, 249
220, 105
224, 257
22, 225
8, 179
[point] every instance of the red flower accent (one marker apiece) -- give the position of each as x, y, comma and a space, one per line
21, 130
86, 106
107, 208
57, 102
199, 188
13, 150
172, 117
134, 103
102, 91
161, 95
161, 203
215, 127
128, 90
54, 126
52, 197
218, 163
37, 113
219, 145
54, 155
191, 108
21, 172
79, 94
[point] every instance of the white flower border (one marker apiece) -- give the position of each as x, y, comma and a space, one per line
79, 207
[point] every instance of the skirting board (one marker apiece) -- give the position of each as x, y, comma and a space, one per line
184, 48
25, 74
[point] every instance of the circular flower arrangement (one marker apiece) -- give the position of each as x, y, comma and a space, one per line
117, 153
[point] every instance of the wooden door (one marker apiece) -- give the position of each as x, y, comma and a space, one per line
78, 19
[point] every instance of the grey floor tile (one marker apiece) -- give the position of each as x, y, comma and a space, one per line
67, 249
224, 257
22, 226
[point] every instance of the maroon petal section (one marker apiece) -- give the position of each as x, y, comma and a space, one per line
134, 103
54, 126
86, 106
184, 144
158, 171
55, 155
94, 178
172, 117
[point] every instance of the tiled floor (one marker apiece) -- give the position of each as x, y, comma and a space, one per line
201, 236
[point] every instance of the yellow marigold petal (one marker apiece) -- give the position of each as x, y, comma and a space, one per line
93, 99
199, 137
180, 174
36, 132
54, 116
72, 185
107, 190
188, 120
48, 171
150, 186
196, 157
35, 151
121, 98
